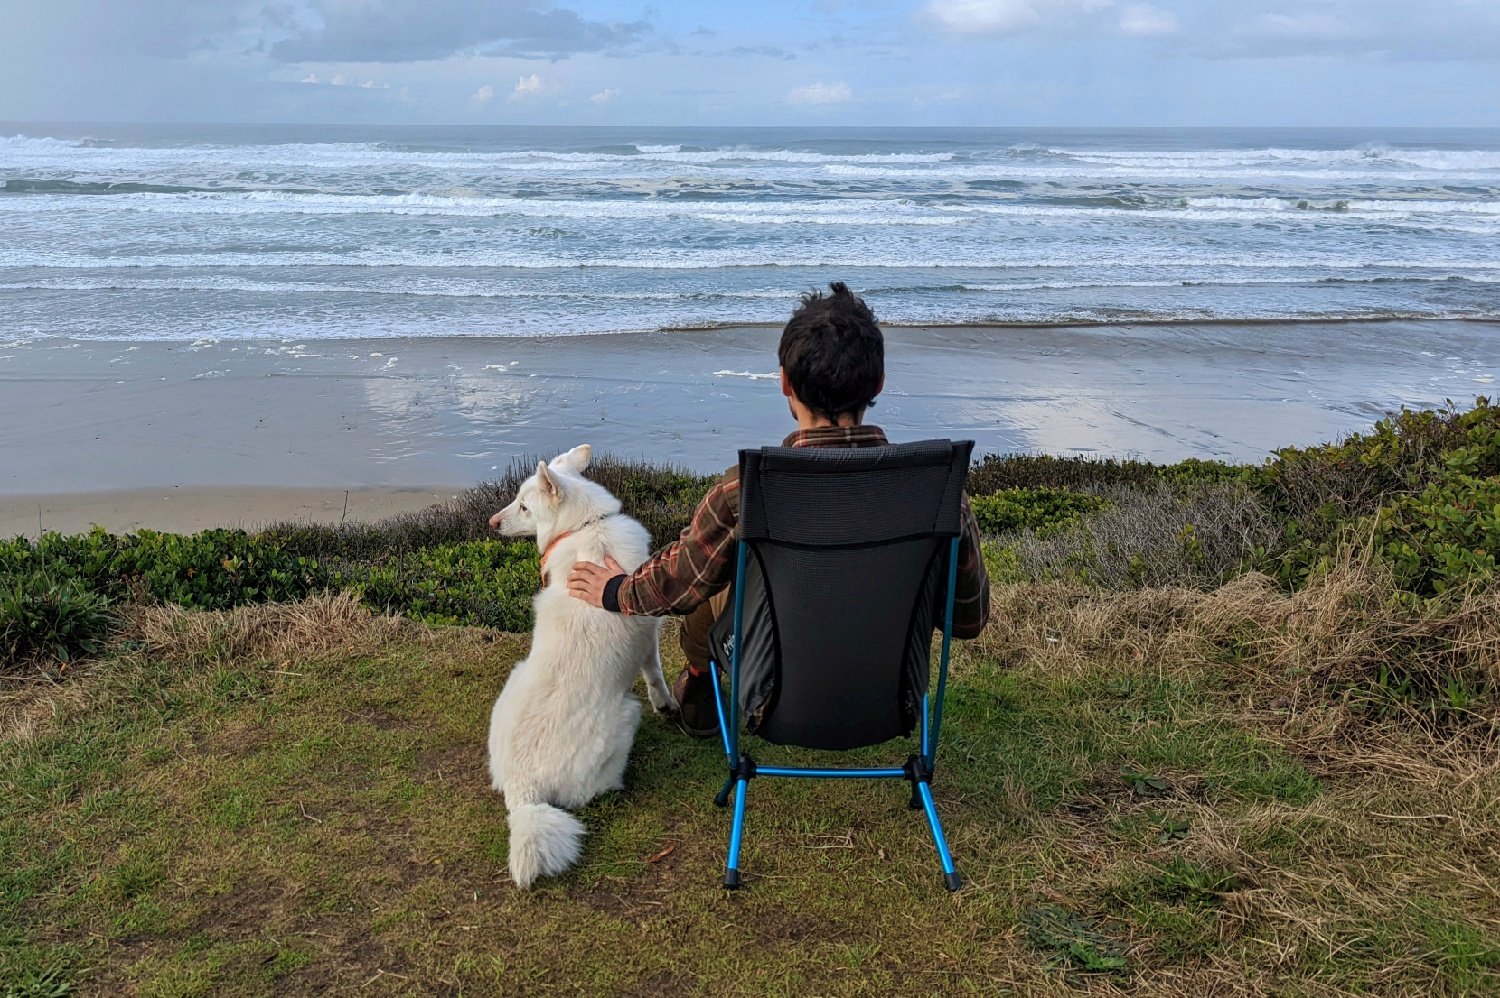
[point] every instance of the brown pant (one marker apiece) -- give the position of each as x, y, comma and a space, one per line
693, 634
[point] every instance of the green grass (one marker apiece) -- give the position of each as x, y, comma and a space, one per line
201, 821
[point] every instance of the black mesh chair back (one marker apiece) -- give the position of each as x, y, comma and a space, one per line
846, 562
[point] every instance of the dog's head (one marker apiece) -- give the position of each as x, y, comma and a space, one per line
542, 504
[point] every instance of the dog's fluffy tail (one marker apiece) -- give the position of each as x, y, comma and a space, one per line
544, 841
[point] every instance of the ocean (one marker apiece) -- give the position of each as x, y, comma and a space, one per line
324, 232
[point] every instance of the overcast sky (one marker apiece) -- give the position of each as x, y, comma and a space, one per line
955, 62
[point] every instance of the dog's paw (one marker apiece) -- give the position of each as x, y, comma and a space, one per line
665, 705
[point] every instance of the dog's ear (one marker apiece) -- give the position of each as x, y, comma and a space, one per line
545, 480
575, 460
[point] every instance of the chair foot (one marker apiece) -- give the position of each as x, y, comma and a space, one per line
953, 881
722, 798
731, 880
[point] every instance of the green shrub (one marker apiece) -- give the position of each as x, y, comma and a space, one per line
998, 472
1032, 509
1419, 486
1195, 473
89, 558
1154, 537
216, 569
1446, 537
45, 617
487, 583
210, 570
1401, 454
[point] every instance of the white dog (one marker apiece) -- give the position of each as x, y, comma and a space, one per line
562, 727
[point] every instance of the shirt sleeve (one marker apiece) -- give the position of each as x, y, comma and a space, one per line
971, 591
683, 575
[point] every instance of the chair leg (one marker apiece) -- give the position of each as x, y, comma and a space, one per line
951, 879
721, 799
736, 832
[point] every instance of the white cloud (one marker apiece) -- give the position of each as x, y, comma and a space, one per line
527, 86
372, 85
1003, 17
605, 96
311, 78
820, 93
990, 17
342, 80
1147, 19
483, 95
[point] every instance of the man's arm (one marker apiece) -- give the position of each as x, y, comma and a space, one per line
681, 576
971, 592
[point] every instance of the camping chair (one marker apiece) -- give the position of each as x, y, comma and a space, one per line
839, 583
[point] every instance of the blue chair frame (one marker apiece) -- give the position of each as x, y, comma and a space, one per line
918, 768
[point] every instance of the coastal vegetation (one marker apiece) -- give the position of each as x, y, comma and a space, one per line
1232, 729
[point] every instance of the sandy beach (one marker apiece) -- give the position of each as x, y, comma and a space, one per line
192, 508
178, 435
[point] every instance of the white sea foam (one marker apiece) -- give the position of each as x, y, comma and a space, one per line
363, 153
826, 211
688, 258
188, 280
751, 375
1404, 206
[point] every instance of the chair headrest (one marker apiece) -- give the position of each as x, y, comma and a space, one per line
842, 497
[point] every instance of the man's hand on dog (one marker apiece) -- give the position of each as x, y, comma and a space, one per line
587, 580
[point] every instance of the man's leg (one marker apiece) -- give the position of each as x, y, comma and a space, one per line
694, 688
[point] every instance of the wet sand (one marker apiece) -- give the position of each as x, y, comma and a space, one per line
86, 422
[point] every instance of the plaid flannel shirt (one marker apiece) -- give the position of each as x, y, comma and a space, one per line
683, 575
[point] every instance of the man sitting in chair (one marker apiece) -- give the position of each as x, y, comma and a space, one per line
832, 358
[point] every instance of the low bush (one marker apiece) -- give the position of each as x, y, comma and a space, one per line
217, 569
44, 618
1447, 537
210, 570
1419, 488
996, 473
488, 583
999, 472
1400, 455
1153, 537
1032, 509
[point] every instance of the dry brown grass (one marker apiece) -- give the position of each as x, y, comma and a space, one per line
1409, 812
275, 632
313, 627
1326, 645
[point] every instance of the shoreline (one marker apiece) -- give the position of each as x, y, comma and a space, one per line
1165, 321
91, 418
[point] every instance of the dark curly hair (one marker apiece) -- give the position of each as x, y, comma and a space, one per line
833, 352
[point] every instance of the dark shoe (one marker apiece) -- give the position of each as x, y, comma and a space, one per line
697, 714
